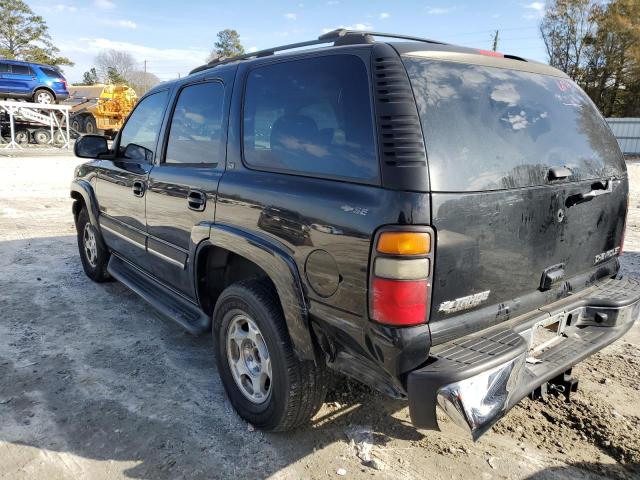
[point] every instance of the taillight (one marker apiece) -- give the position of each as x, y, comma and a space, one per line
400, 284
624, 226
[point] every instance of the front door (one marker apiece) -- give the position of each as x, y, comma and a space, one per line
182, 186
122, 180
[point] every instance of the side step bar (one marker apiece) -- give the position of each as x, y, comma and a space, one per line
186, 314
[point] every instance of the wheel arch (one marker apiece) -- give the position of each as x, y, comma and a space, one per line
249, 255
44, 87
83, 195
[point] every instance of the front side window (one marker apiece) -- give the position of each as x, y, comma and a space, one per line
140, 134
311, 116
196, 127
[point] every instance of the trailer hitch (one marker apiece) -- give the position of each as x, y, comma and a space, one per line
563, 384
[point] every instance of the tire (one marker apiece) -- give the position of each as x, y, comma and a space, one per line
22, 136
42, 136
77, 124
59, 138
44, 96
94, 262
90, 126
296, 389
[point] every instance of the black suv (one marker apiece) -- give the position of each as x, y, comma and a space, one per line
440, 223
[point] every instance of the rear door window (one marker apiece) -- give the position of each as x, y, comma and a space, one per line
490, 128
21, 70
196, 127
312, 117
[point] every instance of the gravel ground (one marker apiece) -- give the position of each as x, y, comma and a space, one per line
95, 385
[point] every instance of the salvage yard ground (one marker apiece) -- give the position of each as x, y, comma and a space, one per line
95, 385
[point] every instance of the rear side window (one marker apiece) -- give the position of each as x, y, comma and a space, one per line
311, 116
490, 128
140, 133
4, 67
50, 72
196, 127
21, 70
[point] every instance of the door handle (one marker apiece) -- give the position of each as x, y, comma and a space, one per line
597, 189
197, 200
138, 188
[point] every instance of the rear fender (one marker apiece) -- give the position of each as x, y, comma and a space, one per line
278, 264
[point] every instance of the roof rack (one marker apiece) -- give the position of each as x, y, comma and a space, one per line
340, 36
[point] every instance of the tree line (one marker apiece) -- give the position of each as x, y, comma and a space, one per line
597, 44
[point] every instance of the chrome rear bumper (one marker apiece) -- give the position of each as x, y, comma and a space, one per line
477, 379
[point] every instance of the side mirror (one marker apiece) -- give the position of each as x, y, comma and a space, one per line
138, 153
90, 146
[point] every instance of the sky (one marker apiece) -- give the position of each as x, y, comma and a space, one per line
176, 36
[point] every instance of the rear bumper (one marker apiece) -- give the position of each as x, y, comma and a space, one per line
477, 379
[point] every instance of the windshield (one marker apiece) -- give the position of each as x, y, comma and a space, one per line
490, 128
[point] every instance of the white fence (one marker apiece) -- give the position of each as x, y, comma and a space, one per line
26, 118
627, 132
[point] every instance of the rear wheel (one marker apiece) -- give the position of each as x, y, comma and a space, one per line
93, 256
266, 383
44, 96
77, 125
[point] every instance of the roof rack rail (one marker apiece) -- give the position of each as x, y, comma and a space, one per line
340, 36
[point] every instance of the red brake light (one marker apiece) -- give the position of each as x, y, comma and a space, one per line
400, 303
490, 53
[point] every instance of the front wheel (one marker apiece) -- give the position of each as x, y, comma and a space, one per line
266, 383
93, 256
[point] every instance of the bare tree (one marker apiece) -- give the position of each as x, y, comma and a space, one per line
141, 81
566, 27
114, 64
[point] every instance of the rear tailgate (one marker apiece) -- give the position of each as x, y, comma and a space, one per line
528, 185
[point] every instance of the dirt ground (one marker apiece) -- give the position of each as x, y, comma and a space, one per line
94, 384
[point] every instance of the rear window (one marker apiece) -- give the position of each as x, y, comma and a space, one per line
490, 128
312, 117
51, 73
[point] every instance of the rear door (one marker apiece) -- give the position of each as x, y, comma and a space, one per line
22, 79
528, 190
182, 187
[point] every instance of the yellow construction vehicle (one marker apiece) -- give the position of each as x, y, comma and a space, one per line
100, 109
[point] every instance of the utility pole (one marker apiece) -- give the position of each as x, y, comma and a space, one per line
495, 40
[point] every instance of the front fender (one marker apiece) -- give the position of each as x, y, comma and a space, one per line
281, 269
85, 190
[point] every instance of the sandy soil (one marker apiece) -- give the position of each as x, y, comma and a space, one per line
95, 385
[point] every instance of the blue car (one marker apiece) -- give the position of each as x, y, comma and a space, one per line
32, 81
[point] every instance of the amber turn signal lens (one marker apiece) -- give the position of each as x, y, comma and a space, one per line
404, 243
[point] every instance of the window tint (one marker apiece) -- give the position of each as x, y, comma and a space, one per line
4, 67
492, 128
311, 116
139, 135
21, 70
51, 73
196, 126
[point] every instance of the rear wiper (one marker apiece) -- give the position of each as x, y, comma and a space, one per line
558, 173
597, 189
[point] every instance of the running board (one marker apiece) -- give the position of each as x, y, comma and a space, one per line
165, 300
